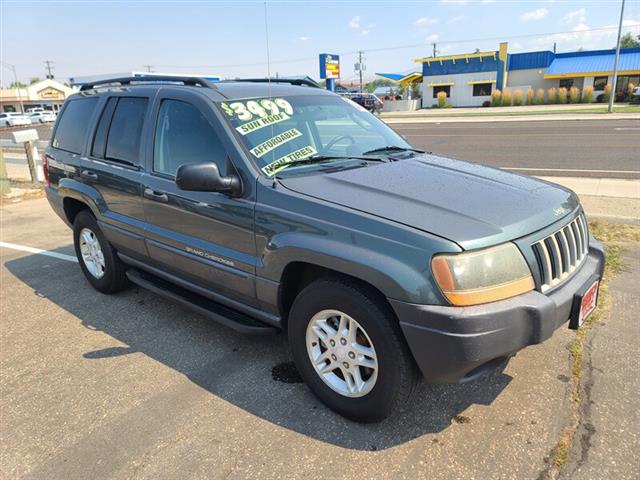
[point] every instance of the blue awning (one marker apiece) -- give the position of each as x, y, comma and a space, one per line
600, 63
391, 76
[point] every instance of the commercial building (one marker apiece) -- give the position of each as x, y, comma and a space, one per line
468, 79
47, 94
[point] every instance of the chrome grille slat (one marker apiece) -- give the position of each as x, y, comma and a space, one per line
562, 252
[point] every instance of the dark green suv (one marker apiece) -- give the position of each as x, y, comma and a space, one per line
279, 206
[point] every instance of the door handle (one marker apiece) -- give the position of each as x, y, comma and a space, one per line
156, 196
89, 174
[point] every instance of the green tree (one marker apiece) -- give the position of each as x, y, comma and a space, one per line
628, 41
34, 80
379, 82
17, 85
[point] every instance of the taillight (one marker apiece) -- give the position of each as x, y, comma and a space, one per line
45, 168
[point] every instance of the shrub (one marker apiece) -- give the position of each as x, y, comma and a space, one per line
630, 88
529, 96
442, 99
539, 98
574, 95
562, 95
552, 95
506, 97
607, 93
496, 98
517, 98
587, 94
486, 103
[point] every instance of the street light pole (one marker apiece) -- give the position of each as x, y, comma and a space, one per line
614, 80
15, 78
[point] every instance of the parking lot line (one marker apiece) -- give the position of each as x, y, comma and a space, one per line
24, 248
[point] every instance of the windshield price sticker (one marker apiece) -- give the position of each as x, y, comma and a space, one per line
277, 165
273, 143
261, 123
261, 108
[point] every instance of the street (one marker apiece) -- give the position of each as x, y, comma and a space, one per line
579, 148
134, 386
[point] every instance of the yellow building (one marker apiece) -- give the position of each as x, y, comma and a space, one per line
47, 94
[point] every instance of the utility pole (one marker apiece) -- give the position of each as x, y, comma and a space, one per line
614, 80
435, 49
15, 78
360, 66
48, 65
149, 68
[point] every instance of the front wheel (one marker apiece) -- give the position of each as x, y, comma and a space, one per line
350, 351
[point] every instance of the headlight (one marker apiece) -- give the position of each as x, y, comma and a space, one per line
482, 276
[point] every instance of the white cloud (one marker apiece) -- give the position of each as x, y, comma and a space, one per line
583, 36
433, 37
486, 2
423, 21
455, 19
365, 32
354, 22
304, 38
577, 16
534, 15
454, 2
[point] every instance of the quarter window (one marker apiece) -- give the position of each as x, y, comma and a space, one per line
443, 88
482, 89
73, 125
100, 138
184, 135
123, 140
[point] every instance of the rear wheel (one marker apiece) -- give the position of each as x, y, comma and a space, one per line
349, 349
98, 260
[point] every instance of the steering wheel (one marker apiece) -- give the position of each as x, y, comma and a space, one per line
336, 139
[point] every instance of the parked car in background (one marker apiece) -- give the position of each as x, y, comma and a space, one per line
367, 100
43, 117
13, 119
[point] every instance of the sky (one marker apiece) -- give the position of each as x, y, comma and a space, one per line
228, 38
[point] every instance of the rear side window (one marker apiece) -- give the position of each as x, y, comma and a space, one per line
123, 139
100, 138
73, 124
184, 135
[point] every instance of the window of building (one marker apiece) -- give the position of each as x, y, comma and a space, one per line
8, 108
600, 82
73, 124
623, 82
443, 88
184, 135
123, 139
482, 89
566, 83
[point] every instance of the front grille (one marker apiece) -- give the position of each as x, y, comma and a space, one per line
562, 252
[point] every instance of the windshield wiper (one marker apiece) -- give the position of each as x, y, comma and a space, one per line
322, 158
392, 148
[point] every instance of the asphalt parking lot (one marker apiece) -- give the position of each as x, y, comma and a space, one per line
133, 386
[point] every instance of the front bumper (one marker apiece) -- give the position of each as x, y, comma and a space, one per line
454, 344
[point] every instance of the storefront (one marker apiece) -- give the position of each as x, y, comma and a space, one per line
47, 94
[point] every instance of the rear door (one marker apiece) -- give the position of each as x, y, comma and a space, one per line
114, 168
204, 237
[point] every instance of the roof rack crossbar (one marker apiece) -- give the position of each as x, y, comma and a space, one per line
190, 81
293, 81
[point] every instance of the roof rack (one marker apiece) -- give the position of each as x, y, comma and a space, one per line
293, 81
190, 81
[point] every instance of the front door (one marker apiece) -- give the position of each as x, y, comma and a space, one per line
204, 237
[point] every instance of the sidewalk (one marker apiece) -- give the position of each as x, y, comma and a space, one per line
514, 114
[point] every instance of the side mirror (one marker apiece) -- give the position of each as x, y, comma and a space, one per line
205, 177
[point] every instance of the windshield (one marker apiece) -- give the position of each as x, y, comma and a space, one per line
284, 130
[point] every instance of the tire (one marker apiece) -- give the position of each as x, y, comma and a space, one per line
395, 375
110, 277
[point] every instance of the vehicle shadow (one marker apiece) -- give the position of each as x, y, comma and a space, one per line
236, 367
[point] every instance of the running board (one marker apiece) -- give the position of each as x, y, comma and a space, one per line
205, 307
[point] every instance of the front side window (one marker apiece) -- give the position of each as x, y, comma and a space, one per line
123, 140
73, 124
283, 130
482, 89
184, 135
442, 88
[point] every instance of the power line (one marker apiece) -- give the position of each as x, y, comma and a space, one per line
149, 68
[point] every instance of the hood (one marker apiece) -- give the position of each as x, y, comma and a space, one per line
473, 205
